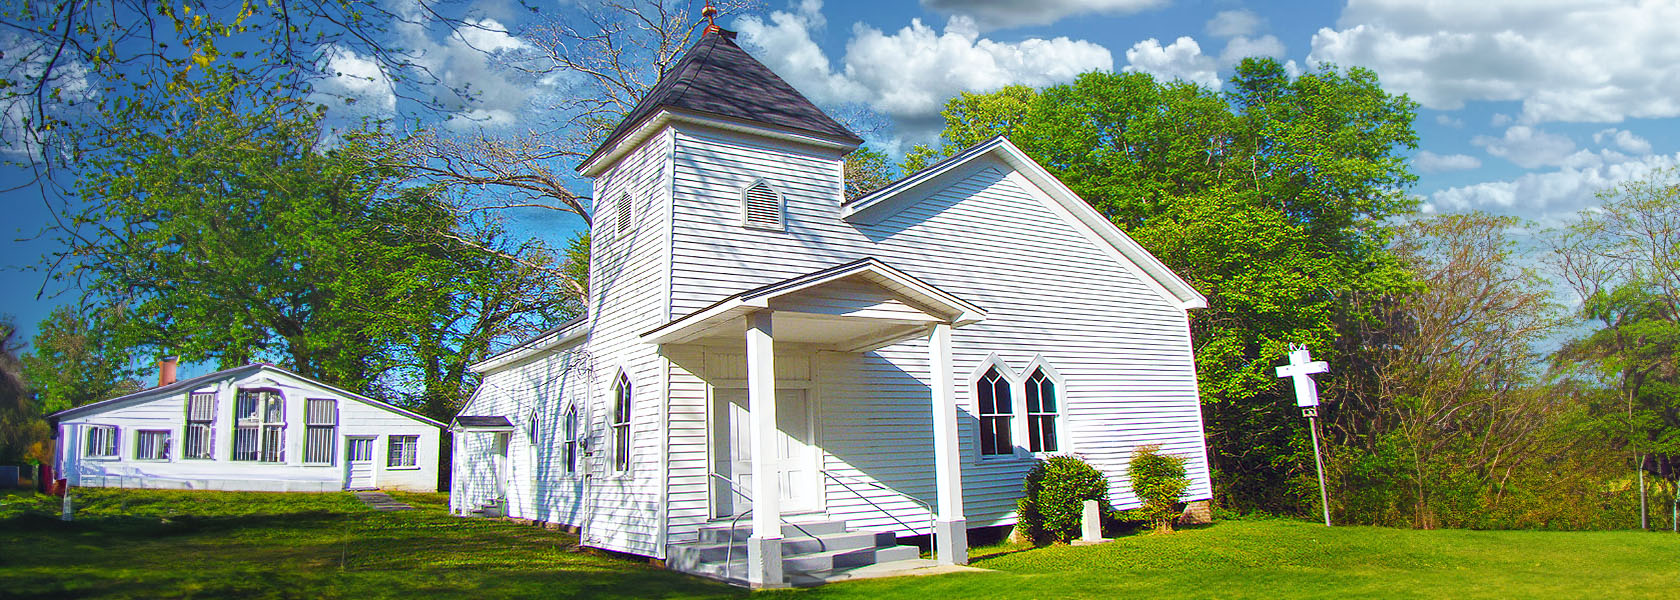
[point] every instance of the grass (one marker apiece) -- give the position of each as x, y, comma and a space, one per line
222, 544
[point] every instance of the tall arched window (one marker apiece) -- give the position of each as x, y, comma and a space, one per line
622, 401
1042, 409
996, 412
571, 440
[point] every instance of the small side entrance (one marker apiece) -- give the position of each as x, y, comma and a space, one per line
499, 463
358, 463
795, 447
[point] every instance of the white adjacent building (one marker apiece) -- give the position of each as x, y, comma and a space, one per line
252, 428
884, 366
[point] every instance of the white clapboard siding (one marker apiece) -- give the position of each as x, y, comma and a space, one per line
165, 410
615, 510
990, 239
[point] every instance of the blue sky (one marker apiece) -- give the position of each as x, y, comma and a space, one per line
1528, 106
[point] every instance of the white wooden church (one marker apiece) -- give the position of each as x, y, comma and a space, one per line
773, 383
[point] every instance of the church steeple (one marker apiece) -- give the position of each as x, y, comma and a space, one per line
717, 80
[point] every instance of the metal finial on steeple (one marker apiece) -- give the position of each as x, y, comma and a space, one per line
710, 13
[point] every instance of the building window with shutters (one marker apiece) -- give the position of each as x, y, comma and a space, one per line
261, 432
200, 431
623, 400
997, 413
1042, 411
320, 434
151, 445
101, 441
402, 452
762, 206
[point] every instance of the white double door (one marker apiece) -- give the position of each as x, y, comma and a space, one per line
796, 453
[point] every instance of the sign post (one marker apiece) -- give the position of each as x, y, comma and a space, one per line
1301, 367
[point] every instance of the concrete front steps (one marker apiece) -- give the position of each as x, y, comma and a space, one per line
813, 553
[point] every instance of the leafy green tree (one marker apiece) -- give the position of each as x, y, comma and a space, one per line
867, 170
1272, 199
1623, 258
245, 235
75, 360
22, 432
1447, 383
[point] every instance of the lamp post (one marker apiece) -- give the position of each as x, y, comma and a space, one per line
1301, 367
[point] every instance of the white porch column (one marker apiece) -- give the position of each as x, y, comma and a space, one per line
764, 547
950, 527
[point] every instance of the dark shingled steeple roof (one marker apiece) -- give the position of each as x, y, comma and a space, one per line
718, 78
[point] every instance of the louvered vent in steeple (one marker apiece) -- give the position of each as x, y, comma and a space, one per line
761, 206
625, 212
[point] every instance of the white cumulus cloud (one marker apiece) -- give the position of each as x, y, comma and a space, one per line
1550, 196
1564, 60
355, 85
1623, 139
1527, 147
1182, 59
1430, 162
1234, 23
1241, 47
993, 14
910, 73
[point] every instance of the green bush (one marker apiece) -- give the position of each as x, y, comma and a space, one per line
1056, 491
1158, 480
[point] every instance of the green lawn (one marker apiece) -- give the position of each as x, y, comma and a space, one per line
208, 544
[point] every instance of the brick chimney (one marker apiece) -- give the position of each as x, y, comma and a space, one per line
166, 370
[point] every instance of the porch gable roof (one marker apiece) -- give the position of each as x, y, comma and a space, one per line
930, 303
482, 423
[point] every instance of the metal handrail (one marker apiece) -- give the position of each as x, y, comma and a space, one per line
933, 517
729, 545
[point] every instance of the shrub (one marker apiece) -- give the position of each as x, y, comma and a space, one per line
1056, 491
1158, 480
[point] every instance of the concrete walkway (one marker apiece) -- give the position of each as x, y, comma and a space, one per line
381, 501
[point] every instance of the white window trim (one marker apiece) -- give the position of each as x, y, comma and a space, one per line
1017, 403
187, 426
392, 437
1063, 443
781, 207
338, 420
573, 417
116, 444
262, 424
621, 375
168, 439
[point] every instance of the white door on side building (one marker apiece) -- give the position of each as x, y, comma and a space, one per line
796, 451
358, 463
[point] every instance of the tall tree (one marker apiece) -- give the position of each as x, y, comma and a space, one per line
75, 360
244, 236
1447, 375
1271, 199
23, 433
1623, 258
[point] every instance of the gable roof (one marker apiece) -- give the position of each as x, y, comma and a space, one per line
899, 194
236, 372
955, 310
482, 422
716, 78
569, 331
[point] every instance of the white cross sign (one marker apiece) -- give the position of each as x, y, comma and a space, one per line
1301, 367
